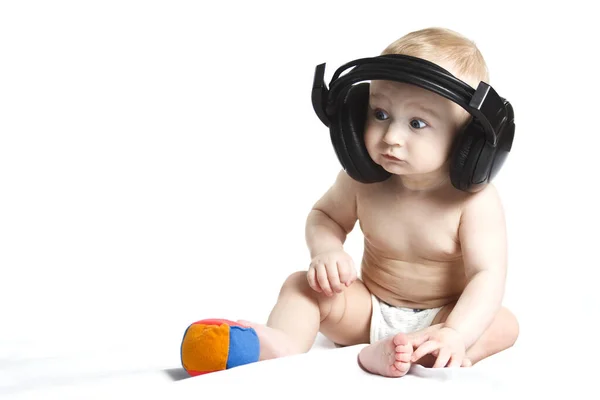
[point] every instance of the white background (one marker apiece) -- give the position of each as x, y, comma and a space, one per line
158, 161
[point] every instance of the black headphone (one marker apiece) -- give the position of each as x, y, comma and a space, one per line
480, 149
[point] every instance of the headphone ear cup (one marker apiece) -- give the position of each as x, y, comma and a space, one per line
465, 158
347, 135
474, 161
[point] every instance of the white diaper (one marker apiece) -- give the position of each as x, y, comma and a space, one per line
388, 320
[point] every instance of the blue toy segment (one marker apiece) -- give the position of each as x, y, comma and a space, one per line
244, 347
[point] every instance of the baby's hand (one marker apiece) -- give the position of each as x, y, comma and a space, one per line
331, 272
445, 344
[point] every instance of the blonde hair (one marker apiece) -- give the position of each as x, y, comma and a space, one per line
444, 47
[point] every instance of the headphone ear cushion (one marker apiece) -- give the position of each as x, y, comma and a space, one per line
505, 141
465, 159
347, 136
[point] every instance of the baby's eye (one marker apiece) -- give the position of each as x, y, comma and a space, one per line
380, 115
417, 124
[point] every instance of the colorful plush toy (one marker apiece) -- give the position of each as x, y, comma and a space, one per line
211, 345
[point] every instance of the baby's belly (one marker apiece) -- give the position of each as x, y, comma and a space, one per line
412, 284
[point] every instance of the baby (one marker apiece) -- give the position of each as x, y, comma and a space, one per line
435, 257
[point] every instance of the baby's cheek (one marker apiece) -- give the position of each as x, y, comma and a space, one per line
370, 142
435, 155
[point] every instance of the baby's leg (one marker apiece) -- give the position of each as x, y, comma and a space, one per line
300, 313
391, 356
500, 335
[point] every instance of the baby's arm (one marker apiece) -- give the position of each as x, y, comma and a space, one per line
327, 227
332, 217
482, 234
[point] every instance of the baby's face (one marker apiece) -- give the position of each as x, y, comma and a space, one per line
410, 130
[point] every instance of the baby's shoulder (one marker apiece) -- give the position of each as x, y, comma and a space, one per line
483, 208
345, 183
486, 197
459, 203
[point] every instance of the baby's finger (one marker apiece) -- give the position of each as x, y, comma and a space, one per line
442, 358
311, 277
344, 272
323, 280
353, 275
416, 341
455, 361
424, 349
334, 278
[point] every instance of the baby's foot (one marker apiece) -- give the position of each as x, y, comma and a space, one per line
273, 342
388, 357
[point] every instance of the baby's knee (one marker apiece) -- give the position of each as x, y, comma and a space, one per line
295, 282
506, 330
511, 328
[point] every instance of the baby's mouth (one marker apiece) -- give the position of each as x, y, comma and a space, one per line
392, 158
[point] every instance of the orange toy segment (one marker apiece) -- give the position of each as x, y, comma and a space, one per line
200, 337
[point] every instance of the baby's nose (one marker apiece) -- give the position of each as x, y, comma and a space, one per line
395, 135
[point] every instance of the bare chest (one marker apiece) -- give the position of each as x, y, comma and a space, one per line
412, 229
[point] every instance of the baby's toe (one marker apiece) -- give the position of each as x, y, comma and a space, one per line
400, 339
404, 348
402, 366
403, 357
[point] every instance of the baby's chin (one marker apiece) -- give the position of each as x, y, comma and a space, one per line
396, 168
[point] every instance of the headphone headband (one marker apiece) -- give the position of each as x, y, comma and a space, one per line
484, 104
411, 64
